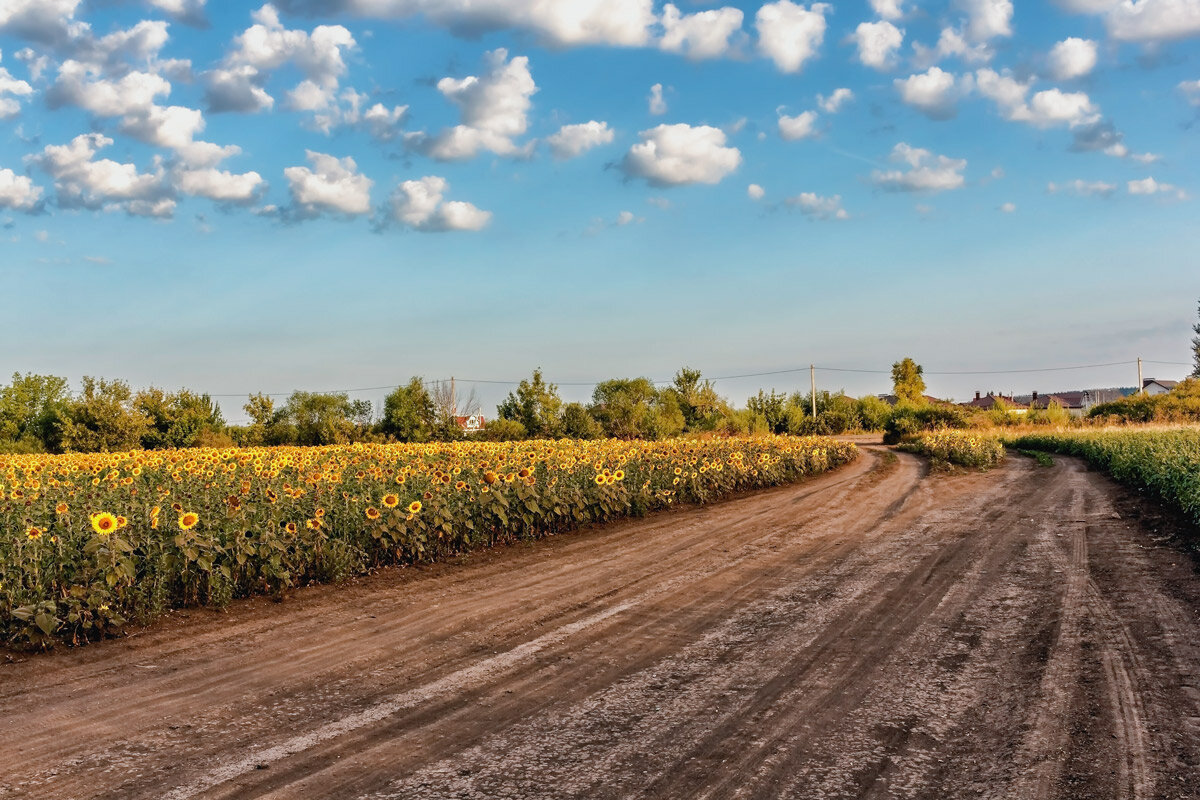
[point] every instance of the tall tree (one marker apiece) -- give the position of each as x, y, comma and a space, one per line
1196, 346
536, 405
177, 419
409, 413
31, 412
907, 383
319, 418
103, 418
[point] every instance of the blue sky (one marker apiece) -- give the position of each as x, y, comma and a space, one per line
332, 194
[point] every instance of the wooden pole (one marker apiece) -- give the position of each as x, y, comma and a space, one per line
453, 399
812, 379
1141, 383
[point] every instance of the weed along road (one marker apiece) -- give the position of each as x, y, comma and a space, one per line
875, 632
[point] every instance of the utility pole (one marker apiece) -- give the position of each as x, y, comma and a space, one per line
812, 379
453, 399
1141, 383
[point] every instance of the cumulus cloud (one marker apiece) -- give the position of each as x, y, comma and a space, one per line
835, 101
877, 43
790, 34
81, 84
676, 155
658, 106
348, 108
237, 89
50, 22
1072, 58
18, 192
755, 192
574, 140
493, 108
1044, 110
1190, 91
1008, 208
988, 19
926, 171
801, 126
888, 9
190, 12
705, 34
1082, 187
420, 205
82, 181
11, 88
332, 185
220, 186
933, 93
952, 43
1148, 186
579, 22
818, 207
1153, 20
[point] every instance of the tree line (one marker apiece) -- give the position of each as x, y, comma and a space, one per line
38, 413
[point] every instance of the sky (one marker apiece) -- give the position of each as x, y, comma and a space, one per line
341, 194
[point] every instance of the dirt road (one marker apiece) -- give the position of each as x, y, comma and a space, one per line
877, 632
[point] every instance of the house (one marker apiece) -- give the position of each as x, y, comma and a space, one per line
1156, 386
892, 399
988, 402
472, 424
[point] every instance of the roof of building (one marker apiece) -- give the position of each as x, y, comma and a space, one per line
1162, 383
986, 402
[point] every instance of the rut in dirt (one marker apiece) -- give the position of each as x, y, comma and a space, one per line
875, 632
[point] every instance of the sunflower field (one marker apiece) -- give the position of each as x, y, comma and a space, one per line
965, 448
90, 543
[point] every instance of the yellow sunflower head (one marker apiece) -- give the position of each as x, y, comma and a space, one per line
103, 523
188, 520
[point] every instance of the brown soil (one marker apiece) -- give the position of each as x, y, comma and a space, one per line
876, 632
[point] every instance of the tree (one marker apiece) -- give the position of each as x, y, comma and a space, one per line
178, 419
771, 408
32, 408
318, 418
698, 400
409, 414
536, 405
631, 408
103, 418
1196, 346
261, 410
907, 383
578, 423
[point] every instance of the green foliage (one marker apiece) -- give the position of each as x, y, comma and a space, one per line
873, 413
409, 414
32, 408
1181, 404
316, 418
103, 418
697, 400
907, 383
1053, 414
632, 408
1196, 346
957, 447
178, 419
536, 405
503, 430
772, 408
908, 420
1164, 463
577, 423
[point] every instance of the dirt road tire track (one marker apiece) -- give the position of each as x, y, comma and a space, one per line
876, 632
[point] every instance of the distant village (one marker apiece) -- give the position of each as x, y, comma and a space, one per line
1077, 402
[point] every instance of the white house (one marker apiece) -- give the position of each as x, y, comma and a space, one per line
1155, 386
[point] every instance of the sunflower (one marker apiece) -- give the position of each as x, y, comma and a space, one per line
188, 521
391, 500
600, 479
313, 524
372, 512
414, 506
121, 522
61, 508
619, 475
103, 523
33, 533
490, 477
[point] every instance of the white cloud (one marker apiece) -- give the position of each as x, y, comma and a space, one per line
1153, 20
1147, 186
18, 191
9, 85
927, 172
574, 140
80, 181
888, 9
705, 34
188, 11
1072, 58
801, 126
933, 93
1082, 187
420, 205
236, 88
1046, 108
952, 43
818, 207
835, 101
790, 34
80, 84
624, 23
877, 43
755, 192
267, 45
1191, 91
493, 109
626, 218
1008, 208
49, 22
987, 19
348, 108
658, 106
219, 185
675, 155
333, 185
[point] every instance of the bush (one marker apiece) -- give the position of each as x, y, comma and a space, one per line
908, 420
